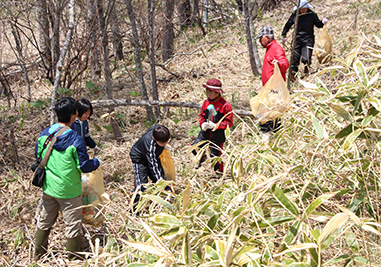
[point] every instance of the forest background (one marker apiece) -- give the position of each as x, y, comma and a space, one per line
308, 197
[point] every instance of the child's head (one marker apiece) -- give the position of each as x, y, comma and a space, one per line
213, 88
161, 135
84, 108
65, 108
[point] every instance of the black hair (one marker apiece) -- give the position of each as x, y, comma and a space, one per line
64, 108
161, 133
83, 105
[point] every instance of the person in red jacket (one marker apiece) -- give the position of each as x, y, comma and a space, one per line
274, 54
208, 121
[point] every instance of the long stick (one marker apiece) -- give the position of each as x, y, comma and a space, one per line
125, 102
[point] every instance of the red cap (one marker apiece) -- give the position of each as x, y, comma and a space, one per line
214, 85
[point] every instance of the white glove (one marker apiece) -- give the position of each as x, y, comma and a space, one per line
283, 39
204, 126
211, 125
100, 162
97, 150
324, 20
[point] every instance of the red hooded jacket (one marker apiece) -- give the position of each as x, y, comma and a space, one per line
274, 51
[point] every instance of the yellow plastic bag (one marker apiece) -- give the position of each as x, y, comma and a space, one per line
323, 47
168, 165
93, 197
273, 99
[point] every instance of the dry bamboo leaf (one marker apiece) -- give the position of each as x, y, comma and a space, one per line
297, 248
335, 223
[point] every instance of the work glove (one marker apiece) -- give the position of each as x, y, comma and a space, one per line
207, 125
283, 40
211, 125
97, 150
324, 20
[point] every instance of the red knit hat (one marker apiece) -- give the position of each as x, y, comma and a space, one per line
214, 85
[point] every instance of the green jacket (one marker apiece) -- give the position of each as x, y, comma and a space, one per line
67, 161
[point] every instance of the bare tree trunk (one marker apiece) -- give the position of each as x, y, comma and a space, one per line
151, 18
195, 14
61, 58
20, 56
106, 67
139, 67
44, 35
92, 29
56, 37
251, 45
168, 34
116, 36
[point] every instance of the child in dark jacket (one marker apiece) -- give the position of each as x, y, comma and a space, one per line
145, 157
208, 121
81, 124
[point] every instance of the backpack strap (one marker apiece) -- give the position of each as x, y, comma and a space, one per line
47, 154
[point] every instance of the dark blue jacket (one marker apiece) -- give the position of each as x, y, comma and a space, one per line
82, 128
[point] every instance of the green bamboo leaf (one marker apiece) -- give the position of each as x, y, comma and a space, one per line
346, 131
334, 224
353, 54
376, 103
340, 111
361, 72
367, 120
360, 96
159, 200
237, 170
297, 247
320, 130
211, 253
284, 201
292, 233
272, 159
351, 138
361, 260
166, 221
313, 252
316, 203
187, 250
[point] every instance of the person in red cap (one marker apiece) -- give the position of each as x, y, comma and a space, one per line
213, 111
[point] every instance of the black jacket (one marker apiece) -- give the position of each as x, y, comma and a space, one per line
306, 24
146, 151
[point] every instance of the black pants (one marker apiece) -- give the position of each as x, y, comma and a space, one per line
302, 51
215, 147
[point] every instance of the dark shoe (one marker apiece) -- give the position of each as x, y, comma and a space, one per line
74, 245
203, 159
292, 78
41, 243
306, 69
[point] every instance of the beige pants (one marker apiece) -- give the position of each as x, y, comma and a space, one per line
71, 211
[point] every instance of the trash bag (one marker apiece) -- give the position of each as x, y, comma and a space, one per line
93, 197
323, 47
272, 100
168, 165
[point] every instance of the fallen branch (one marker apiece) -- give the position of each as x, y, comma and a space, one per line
125, 102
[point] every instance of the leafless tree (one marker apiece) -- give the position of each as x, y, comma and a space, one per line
151, 23
255, 63
106, 67
168, 33
61, 57
139, 67
92, 27
116, 36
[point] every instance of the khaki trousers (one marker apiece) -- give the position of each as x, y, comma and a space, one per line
71, 211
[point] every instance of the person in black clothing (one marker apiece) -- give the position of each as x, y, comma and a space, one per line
305, 38
145, 157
